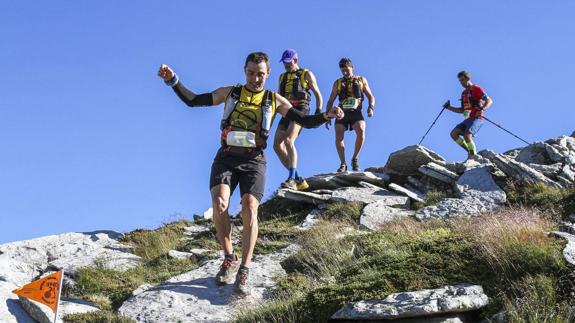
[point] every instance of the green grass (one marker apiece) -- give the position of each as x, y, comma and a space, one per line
535, 299
97, 317
497, 251
149, 244
558, 203
108, 289
350, 212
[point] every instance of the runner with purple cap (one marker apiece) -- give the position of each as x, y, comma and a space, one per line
295, 85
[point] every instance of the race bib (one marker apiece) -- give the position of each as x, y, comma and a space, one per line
350, 104
241, 139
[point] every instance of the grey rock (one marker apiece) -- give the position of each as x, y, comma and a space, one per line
568, 227
306, 197
568, 172
142, 288
209, 214
535, 153
416, 183
194, 229
180, 255
195, 297
449, 299
478, 184
550, 171
404, 191
378, 179
477, 191
438, 172
69, 251
11, 311
368, 185
310, 220
23, 261
557, 153
376, 214
569, 250
513, 153
44, 314
518, 170
406, 162
331, 181
450, 318
368, 195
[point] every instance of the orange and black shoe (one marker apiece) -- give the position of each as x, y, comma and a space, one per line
241, 286
227, 269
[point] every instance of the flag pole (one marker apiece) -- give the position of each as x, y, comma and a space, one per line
59, 293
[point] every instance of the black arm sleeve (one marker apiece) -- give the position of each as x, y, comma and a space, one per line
312, 121
191, 100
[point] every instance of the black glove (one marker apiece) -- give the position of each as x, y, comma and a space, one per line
447, 104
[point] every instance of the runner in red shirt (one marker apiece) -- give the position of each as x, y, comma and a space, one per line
473, 102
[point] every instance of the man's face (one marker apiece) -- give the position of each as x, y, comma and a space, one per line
256, 75
346, 70
291, 66
464, 81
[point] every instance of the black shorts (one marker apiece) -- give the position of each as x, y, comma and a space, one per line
284, 123
350, 118
232, 169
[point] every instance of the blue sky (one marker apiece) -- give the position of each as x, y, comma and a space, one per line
91, 139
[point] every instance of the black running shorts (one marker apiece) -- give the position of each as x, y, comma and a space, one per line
350, 118
232, 169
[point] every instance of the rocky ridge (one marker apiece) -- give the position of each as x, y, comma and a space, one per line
385, 193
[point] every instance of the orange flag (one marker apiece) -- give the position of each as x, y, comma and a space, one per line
45, 290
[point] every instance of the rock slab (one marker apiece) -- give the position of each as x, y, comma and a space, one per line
195, 296
449, 299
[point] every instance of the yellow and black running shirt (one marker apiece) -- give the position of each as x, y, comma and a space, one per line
247, 114
294, 87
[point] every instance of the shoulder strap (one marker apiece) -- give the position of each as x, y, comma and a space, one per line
230, 104
303, 81
283, 83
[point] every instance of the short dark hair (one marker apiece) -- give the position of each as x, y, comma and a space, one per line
257, 57
345, 62
465, 74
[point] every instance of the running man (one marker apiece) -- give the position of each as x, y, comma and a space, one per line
294, 84
248, 114
473, 102
350, 90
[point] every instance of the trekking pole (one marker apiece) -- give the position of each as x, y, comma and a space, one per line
431, 125
509, 132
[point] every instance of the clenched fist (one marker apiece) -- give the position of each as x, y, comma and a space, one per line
166, 73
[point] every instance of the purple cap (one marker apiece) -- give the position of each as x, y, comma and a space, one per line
288, 55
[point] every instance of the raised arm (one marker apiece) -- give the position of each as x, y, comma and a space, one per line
190, 98
284, 108
311, 80
447, 105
